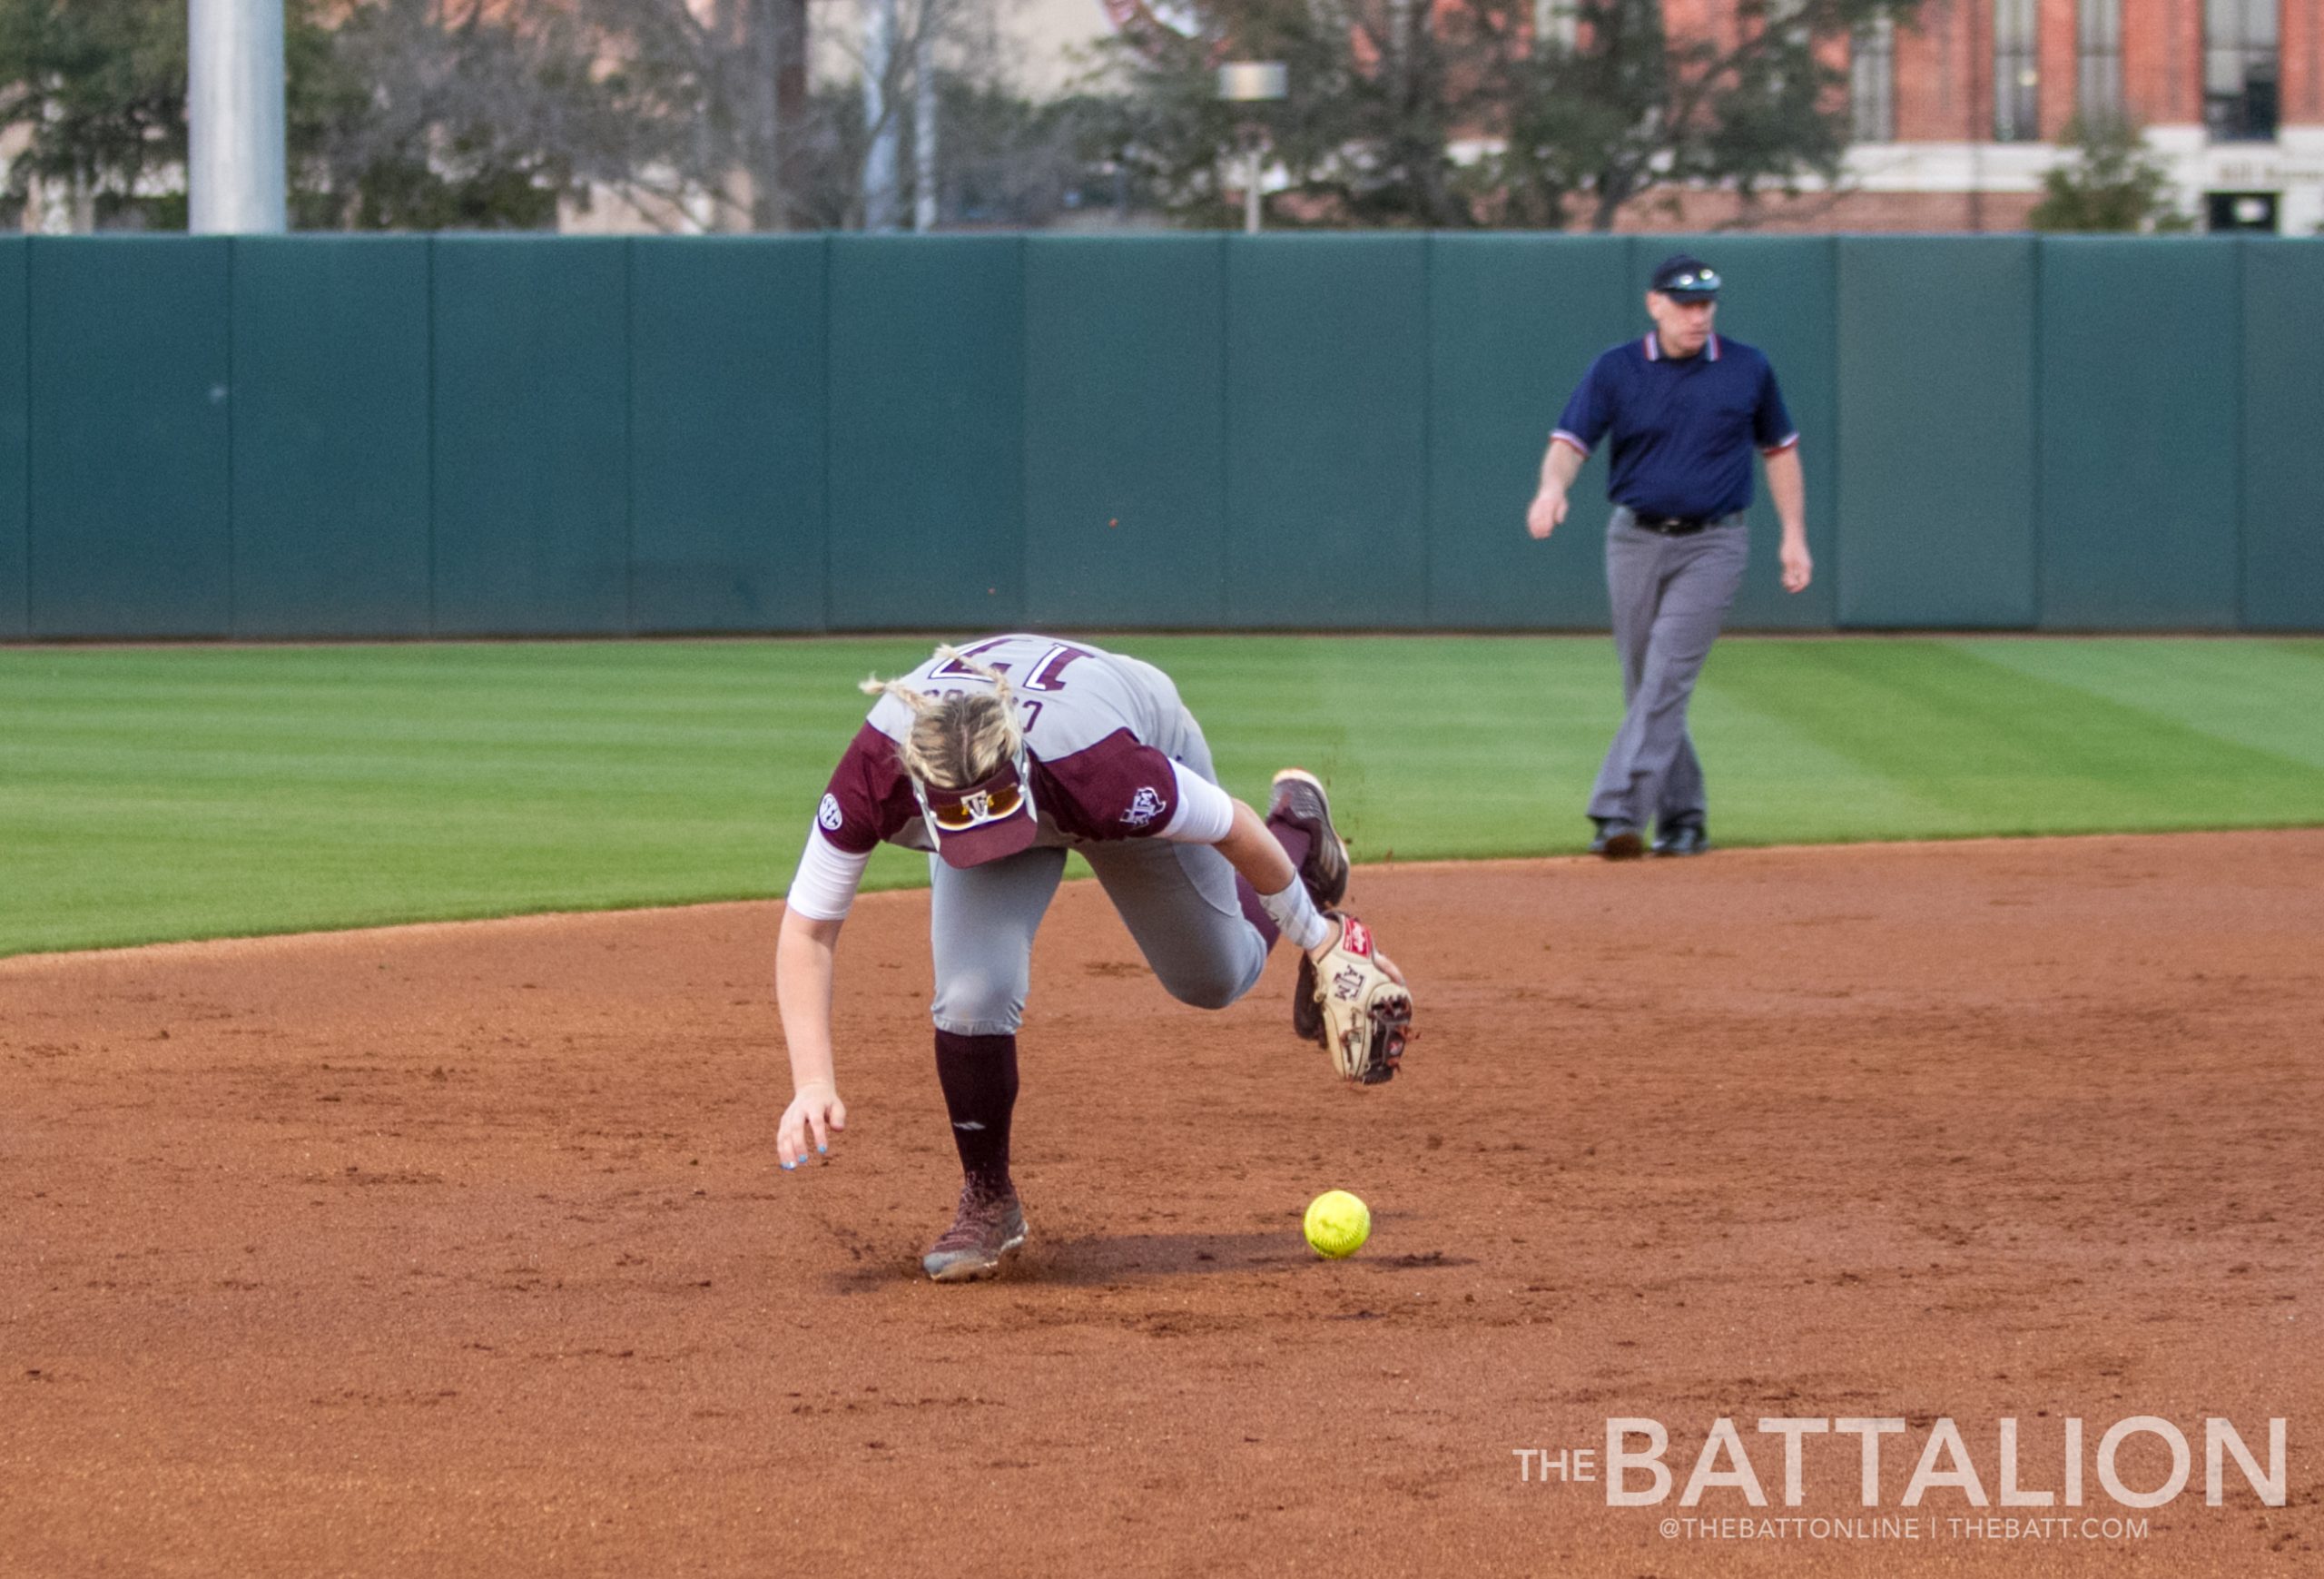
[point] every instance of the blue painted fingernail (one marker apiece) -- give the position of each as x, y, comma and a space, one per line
789, 1166
821, 1150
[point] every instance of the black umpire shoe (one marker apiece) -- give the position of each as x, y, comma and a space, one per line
1686, 839
1298, 799
1617, 840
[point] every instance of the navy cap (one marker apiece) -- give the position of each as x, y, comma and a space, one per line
1686, 279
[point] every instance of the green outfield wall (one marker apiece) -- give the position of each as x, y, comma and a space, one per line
339, 437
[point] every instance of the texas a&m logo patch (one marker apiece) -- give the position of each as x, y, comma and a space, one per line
1144, 807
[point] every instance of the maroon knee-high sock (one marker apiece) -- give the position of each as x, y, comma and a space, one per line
1296, 841
979, 1079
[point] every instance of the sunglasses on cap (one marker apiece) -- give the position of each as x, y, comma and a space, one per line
1000, 795
1692, 279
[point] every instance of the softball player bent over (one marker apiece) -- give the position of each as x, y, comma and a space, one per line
998, 757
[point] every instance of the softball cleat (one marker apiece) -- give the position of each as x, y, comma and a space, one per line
1299, 798
985, 1229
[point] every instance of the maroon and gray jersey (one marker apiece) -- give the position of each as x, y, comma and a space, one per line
1106, 734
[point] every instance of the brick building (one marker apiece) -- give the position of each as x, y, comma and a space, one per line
1957, 117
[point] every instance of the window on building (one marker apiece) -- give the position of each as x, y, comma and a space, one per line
2240, 70
2017, 81
2098, 86
1872, 81
2241, 211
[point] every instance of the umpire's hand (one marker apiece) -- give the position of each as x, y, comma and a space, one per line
1798, 568
1546, 514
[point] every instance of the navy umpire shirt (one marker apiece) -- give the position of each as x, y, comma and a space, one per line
1684, 429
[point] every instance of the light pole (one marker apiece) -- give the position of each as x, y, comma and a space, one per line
234, 170
880, 117
1253, 82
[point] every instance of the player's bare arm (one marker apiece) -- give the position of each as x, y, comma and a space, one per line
803, 993
1788, 487
1559, 466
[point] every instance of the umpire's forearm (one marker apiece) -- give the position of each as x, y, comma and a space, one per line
1559, 466
1787, 491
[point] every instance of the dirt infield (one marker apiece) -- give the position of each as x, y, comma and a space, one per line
461, 1250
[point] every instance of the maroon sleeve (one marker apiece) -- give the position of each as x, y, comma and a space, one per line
1119, 788
869, 798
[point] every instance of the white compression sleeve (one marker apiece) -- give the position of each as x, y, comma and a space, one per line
1204, 815
824, 887
1293, 912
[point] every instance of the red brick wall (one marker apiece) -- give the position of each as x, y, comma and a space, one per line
1714, 19
1860, 210
2162, 59
2055, 56
2303, 61
1938, 100
1944, 65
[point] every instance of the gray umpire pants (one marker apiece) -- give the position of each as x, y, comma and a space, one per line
1178, 902
1671, 594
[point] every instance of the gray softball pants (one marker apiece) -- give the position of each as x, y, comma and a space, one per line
1178, 902
1670, 596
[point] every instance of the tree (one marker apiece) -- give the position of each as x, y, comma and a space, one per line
1625, 111
734, 133
1376, 94
406, 113
431, 114
1008, 160
2112, 184
722, 106
1570, 120
98, 89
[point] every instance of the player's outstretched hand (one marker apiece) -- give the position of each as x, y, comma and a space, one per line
816, 1109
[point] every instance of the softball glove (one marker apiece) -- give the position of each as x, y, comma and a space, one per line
1367, 1014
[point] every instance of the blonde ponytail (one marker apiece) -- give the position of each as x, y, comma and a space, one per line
958, 739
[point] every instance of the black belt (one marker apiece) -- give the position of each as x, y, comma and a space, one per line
1673, 525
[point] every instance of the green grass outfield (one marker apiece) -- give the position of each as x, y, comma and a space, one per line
155, 794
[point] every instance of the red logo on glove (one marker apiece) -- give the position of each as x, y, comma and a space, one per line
1355, 936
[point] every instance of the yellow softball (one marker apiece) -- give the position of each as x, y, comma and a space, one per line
1337, 1224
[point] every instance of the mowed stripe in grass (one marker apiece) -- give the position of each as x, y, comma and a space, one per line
156, 794
193, 792
1881, 739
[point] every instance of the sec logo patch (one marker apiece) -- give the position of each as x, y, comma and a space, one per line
828, 814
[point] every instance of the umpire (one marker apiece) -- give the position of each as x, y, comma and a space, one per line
1685, 408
